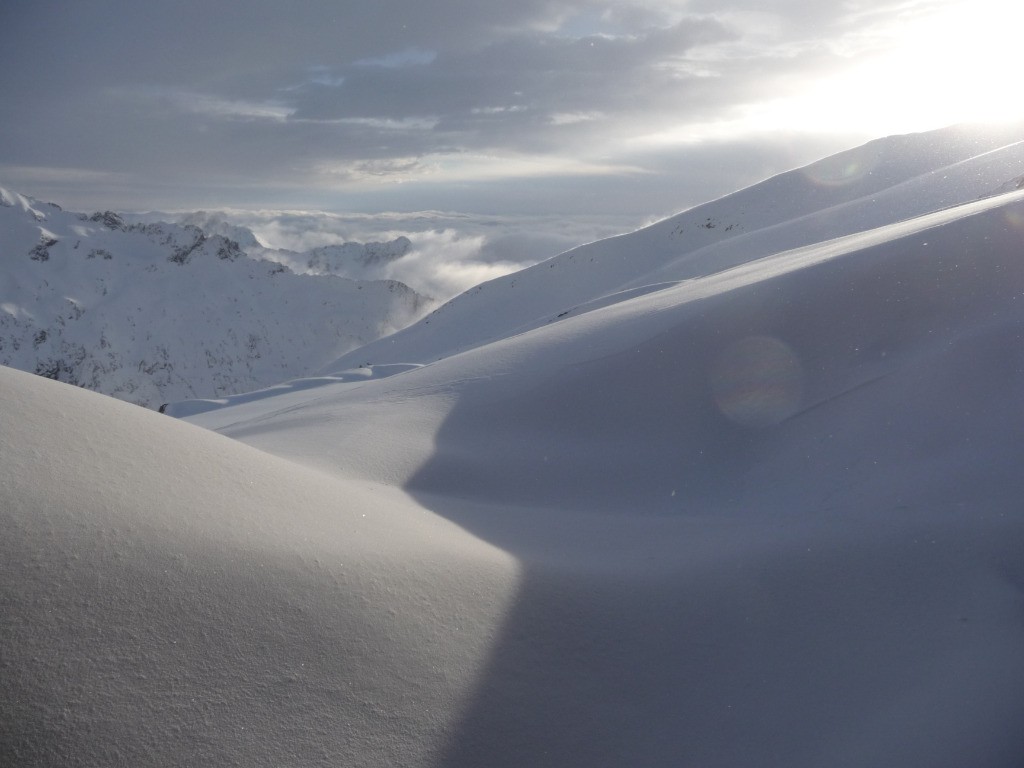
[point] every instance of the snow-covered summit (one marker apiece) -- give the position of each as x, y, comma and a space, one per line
25, 204
355, 260
214, 224
151, 312
338, 259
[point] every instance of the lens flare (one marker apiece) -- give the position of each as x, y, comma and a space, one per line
1015, 218
757, 381
842, 169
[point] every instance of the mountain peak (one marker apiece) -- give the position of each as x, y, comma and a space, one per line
108, 219
29, 205
154, 312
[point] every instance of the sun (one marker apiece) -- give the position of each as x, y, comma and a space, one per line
957, 63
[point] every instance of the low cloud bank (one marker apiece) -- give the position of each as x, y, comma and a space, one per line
448, 252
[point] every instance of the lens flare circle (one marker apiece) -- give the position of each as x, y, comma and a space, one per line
757, 381
1015, 218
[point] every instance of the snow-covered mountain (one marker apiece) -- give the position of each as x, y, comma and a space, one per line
739, 489
155, 312
354, 260
337, 259
880, 183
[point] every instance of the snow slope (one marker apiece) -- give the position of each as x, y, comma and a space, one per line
157, 312
764, 516
883, 182
171, 597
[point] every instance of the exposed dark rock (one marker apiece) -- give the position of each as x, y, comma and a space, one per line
183, 253
110, 220
42, 251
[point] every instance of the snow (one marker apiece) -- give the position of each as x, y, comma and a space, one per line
762, 514
902, 177
155, 312
27, 205
166, 585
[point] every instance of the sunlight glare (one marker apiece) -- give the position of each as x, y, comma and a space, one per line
955, 66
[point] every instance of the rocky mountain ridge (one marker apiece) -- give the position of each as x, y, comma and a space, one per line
153, 312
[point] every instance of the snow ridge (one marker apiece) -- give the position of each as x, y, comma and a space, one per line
883, 182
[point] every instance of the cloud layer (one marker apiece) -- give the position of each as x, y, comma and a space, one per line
399, 104
449, 253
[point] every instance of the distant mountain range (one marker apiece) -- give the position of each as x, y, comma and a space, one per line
156, 312
354, 260
152, 312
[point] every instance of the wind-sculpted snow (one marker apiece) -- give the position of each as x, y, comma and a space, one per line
156, 312
170, 597
365, 373
761, 515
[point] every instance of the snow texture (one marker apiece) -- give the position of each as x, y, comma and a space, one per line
763, 510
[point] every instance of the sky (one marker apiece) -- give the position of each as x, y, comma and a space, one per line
554, 108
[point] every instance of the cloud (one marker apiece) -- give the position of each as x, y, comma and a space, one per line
507, 92
444, 263
401, 103
409, 57
182, 101
450, 252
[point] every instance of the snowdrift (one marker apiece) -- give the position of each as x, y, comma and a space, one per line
172, 597
765, 515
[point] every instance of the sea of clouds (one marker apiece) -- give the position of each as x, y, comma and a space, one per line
450, 252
